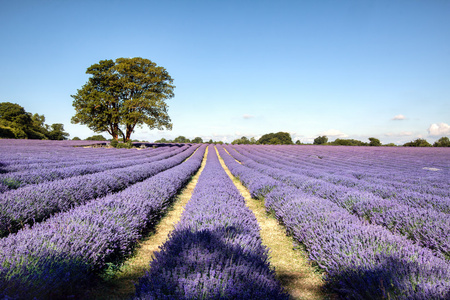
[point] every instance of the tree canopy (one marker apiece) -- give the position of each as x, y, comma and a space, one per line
320, 140
374, 142
417, 143
348, 142
97, 137
197, 140
181, 139
442, 142
16, 123
279, 138
123, 94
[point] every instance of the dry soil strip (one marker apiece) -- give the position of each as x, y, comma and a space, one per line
121, 286
291, 266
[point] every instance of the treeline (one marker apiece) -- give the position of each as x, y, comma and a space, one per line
323, 140
284, 138
16, 123
182, 139
279, 138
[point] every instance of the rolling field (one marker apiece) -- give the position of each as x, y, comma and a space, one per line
374, 222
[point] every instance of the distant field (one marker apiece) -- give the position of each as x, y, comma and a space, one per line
374, 221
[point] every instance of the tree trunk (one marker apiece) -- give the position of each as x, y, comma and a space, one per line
114, 131
130, 129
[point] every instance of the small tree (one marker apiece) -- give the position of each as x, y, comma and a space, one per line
163, 140
181, 139
242, 141
417, 143
197, 140
442, 142
57, 132
282, 138
320, 140
374, 142
97, 137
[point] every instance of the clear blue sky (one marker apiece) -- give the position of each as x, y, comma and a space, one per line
349, 69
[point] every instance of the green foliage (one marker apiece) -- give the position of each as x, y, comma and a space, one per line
123, 94
197, 140
7, 133
114, 143
181, 139
242, 141
374, 142
320, 140
348, 142
214, 142
76, 139
127, 145
279, 138
297, 142
417, 143
442, 142
97, 137
15, 122
163, 140
57, 132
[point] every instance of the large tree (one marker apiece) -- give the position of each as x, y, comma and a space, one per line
123, 94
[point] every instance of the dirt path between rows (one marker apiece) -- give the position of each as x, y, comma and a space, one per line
291, 266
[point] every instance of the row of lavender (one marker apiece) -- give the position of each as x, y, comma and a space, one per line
41, 151
362, 261
69, 165
60, 257
404, 175
35, 203
425, 223
215, 251
378, 166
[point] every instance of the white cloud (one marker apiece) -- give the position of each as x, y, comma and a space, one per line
440, 129
248, 116
334, 133
399, 117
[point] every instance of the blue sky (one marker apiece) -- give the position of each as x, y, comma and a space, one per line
345, 69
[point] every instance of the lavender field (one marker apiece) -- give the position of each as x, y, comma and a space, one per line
374, 220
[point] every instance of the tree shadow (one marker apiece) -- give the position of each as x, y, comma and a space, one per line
216, 263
